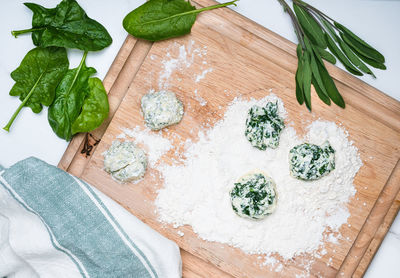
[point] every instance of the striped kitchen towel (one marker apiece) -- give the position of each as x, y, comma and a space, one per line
53, 224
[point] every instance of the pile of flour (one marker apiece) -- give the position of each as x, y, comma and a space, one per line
196, 193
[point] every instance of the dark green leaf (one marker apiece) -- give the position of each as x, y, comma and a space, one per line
70, 96
307, 74
320, 93
354, 58
94, 110
66, 25
329, 85
371, 62
325, 55
299, 75
364, 55
342, 58
310, 26
359, 43
37, 78
329, 28
317, 82
163, 19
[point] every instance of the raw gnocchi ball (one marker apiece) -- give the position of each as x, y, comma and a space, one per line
311, 162
254, 196
125, 161
161, 109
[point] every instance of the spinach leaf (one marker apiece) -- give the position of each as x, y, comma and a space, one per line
66, 25
94, 110
70, 97
37, 78
163, 19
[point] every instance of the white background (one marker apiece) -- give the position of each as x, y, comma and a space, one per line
375, 21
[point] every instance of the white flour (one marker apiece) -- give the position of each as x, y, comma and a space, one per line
197, 192
202, 75
180, 62
153, 143
184, 59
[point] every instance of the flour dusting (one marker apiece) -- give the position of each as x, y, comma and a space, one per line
196, 193
152, 141
182, 61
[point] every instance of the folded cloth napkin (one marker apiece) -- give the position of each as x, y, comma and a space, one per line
53, 224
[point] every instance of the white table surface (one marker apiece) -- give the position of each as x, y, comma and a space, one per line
375, 21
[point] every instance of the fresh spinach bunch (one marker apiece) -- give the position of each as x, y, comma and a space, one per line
37, 78
66, 25
158, 20
77, 102
80, 103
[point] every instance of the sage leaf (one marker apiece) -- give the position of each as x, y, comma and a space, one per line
325, 55
329, 28
158, 20
310, 26
94, 110
363, 53
320, 92
340, 55
37, 78
66, 25
307, 75
317, 82
69, 99
354, 58
359, 43
371, 62
329, 85
299, 75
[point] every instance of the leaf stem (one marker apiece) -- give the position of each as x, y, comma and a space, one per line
304, 4
20, 32
216, 6
298, 30
10, 122
195, 11
78, 71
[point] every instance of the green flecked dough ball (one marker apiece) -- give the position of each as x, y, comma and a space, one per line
264, 126
311, 162
254, 196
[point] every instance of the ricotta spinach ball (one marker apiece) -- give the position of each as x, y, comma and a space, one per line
254, 196
125, 161
161, 109
264, 126
311, 162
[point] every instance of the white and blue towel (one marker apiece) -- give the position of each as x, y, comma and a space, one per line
55, 225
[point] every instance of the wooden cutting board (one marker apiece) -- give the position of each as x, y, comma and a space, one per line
247, 60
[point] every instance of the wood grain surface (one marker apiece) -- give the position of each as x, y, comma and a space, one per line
247, 61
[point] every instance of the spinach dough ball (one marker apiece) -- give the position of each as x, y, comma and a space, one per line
125, 161
161, 109
254, 196
311, 162
264, 126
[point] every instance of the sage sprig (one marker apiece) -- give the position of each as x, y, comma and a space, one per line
317, 33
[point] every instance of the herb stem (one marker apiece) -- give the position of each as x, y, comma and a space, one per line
195, 11
298, 30
10, 122
304, 4
78, 71
20, 32
216, 6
